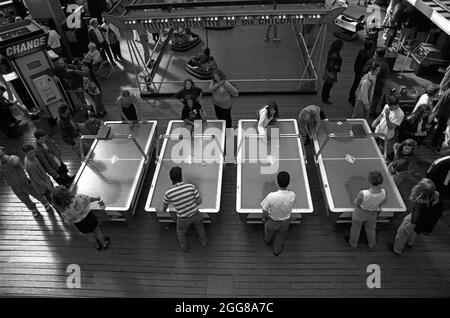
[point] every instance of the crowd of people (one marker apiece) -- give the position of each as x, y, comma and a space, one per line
44, 165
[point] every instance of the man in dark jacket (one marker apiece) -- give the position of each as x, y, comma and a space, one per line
381, 79
361, 60
442, 113
71, 79
70, 130
49, 155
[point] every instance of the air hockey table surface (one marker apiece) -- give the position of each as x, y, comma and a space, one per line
345, 163
259, 161
114, 169
201, 160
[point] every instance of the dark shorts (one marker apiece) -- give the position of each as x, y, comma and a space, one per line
130, 112
88, 224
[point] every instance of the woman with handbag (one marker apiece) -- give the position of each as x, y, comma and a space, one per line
334, 62
75, 210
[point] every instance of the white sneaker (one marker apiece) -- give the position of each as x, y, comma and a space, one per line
266, 38
276, 40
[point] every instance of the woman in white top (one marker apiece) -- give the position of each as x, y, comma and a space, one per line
367, 204
267, 115
428, 97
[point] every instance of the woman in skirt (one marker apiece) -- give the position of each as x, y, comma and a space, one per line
75, 210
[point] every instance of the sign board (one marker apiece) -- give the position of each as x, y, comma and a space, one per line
26, 46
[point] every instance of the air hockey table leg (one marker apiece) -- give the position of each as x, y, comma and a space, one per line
128, 216
213, 219
243, 217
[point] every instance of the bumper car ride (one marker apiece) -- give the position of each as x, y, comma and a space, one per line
348, 27
180, 43
202, 71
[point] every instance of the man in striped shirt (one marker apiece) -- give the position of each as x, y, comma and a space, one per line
186, 199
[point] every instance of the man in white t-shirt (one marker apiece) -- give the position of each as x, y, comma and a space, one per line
390, 118
428, 97
277, 208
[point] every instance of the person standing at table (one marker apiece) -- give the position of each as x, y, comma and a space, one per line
50, 157
364, 92
185, 199
75, 209
276, 215
358, 68
367, 204
425, 212
267, 115
333, 66
309, 121
39, 179
191, 112
70, 130
222, 93
189, 90
11, 171
390, 118
129, 107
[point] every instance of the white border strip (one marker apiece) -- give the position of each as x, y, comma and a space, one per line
216, 209
239, 208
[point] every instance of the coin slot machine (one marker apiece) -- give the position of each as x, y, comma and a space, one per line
24, 43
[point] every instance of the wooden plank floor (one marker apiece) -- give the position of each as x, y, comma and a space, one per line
146, 261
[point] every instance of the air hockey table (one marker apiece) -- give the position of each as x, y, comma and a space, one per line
259, 161
114, 169
200, 155
344, 163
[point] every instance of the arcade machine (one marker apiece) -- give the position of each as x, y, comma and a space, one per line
426, 58
24, 43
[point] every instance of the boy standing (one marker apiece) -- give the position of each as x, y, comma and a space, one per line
367, 205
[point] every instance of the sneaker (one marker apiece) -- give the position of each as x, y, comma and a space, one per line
391, 248
276, 40
281, 250
36, 214
266, 38
107, 241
